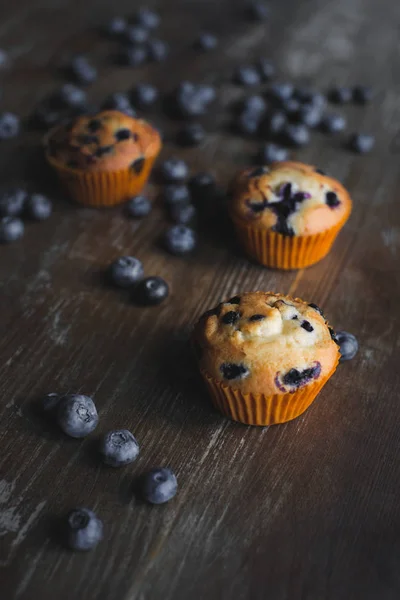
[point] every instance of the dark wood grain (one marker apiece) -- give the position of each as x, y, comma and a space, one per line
304, 511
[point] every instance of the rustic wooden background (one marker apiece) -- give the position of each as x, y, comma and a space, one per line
304, 511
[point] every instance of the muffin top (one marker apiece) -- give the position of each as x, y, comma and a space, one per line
108, 141
261, 342
290, 198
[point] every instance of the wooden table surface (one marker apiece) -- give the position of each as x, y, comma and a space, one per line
304, 511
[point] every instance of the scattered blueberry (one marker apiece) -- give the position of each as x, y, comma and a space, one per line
133, 56
362, 94
257, 10
144, 95
248, 122
180, 239
12, 202
3, 57
9, 125
333, 123
126, 271
138, 207
291, 107
183, 214
191, 134
266, 69
158, 50
49, 403
11, 229
152, 290
176, 194
84, 529
70, 96
340, 95
82, 71
147, 18
159, 486
44, 116
297, 135
361, 142
273, 124
38, 207
116, 26
190, 99
309, 114
202, 182
135, 34
281, 92
254, 104
119, 448
77, 415
174, 170
206, 41
206, 93
272, 152
348, 345
119, 101
247, 75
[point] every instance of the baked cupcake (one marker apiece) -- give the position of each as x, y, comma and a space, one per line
264, 356
103, 159
287, 215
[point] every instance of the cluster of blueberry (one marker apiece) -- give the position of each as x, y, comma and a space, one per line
77, 417
285, 115
127, 272
16, 203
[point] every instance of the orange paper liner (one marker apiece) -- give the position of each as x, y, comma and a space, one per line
259, 409
279, 251
103, 188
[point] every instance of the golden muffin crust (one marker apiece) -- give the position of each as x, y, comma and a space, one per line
290, 198
261, 342
108, 141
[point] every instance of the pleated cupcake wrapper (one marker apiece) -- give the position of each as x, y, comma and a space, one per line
279, 251
260, 409
102, 188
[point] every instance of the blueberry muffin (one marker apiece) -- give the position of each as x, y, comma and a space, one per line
103, 159
264, 356
288, 214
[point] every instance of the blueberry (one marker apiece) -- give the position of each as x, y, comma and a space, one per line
176, 194
206, 93
144, 94
257, 10
291, 107
332, 199
180, 239
201, 183
183, 213
3, 57
125, 271
82, 71
248, 122
49, 403
362, 94
309, 114
116, 26
230, 318
38, 207
254, 104
152, 291
266, 69
11, 229
190, 99
247, 75
348, 345
119, 448
273, 125
280, 92
158, 50
206, 41
174, 170
340, 95
159, 486
119, 101
12, 202
317, 308
147, 18
333, 123
191, 134
70, 96
272, 152
133, 56
134, 34
138, 207
361, 142
44, 116
77, 415
84, 529
296, 135
307, 326
234, 371
9, 125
